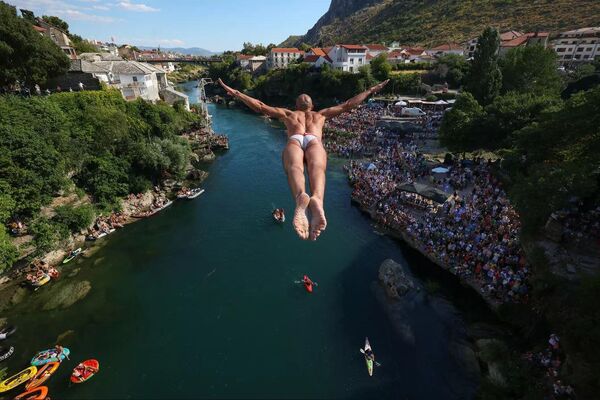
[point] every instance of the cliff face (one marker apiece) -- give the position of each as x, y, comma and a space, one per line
338, 11
433, 22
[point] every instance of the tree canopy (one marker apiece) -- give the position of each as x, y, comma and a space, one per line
25, 55
485, 78
380, 67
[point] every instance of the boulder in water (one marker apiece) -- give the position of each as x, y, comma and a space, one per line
68, 295
395, 280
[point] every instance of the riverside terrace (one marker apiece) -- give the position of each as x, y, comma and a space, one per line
474, 233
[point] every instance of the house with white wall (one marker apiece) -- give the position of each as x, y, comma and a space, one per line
281, 57
348, 57
578, 45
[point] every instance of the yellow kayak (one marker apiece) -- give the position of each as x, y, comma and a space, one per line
17, 379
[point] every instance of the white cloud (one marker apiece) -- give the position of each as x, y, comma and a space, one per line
62, 9
139, 7
101, 8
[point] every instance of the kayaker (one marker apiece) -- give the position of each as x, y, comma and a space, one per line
304, 146
369, 354
59, 350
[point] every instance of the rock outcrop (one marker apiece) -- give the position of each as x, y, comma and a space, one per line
395, 280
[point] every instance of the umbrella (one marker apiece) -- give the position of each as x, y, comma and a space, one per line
371, 166
440, 170
401, 103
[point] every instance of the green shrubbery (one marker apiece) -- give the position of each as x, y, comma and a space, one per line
111, 147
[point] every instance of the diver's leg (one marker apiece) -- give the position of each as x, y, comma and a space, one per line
293, 163
316, 162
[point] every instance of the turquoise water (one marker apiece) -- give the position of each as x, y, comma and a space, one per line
200, 301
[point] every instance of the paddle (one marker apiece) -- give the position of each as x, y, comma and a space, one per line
376, 363
314, 283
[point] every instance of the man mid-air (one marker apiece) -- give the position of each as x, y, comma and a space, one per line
305, 130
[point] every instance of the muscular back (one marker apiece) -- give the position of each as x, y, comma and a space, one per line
304, 122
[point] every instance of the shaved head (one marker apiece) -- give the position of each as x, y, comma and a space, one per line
304, 103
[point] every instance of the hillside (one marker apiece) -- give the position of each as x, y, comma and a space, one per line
433, 22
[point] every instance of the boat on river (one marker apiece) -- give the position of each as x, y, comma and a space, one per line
149, 213
195, 193
72, 255
278, 215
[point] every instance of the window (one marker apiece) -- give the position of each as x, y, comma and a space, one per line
351, 69
589, 49
135, 78
560, 50
580, 49
586, 56
568, 56
360, 60
352, 61
577, 56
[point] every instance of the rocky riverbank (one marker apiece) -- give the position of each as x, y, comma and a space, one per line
13, 287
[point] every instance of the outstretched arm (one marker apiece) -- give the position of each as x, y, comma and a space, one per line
256, 105
352, 103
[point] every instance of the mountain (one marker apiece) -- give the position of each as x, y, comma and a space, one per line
195, 51
433, 22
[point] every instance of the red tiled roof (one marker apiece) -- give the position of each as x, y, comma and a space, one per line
510, 35
243, 57
369, 56
415, 50
353, 47
318, 51
516, 42
285, 50
537, 34
376, 47
311, 58
39, 28
395, 54
327, 49
447, 47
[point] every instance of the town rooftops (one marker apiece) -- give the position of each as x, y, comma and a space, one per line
584, 31
353, 47
258, 58
415, 51
318, 51
311, 58
516, 42
286, 50
127, 67
448, 47
510, 35
243, 56
376, 47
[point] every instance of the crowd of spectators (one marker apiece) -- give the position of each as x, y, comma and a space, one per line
550, 360
474, 233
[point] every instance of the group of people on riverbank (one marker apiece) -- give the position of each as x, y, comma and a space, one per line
474, 233
550, 360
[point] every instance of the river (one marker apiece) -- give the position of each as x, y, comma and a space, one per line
200, 300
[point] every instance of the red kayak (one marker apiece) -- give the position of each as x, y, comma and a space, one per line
308, 284
85, 371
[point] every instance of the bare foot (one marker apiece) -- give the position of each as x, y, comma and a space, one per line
300, 221
318, 223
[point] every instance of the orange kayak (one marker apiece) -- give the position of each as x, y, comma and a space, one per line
39, 393
85, 370
308, 284
43, 374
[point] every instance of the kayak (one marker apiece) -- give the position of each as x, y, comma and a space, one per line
308, 284
85, 370
43, 374
42, 281
367, 359
5, 353
279, 219
47, 356
38, 393
72, 255
17, 379
7, 331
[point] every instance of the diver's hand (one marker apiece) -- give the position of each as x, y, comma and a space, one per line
230, 91
378, 87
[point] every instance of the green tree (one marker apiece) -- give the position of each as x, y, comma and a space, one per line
57, 22
26, 56
451, 68
530, 69
458, 131
75, 218
8, 252
485, 78
380, 67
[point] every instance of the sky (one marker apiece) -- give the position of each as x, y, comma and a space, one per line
216, 25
